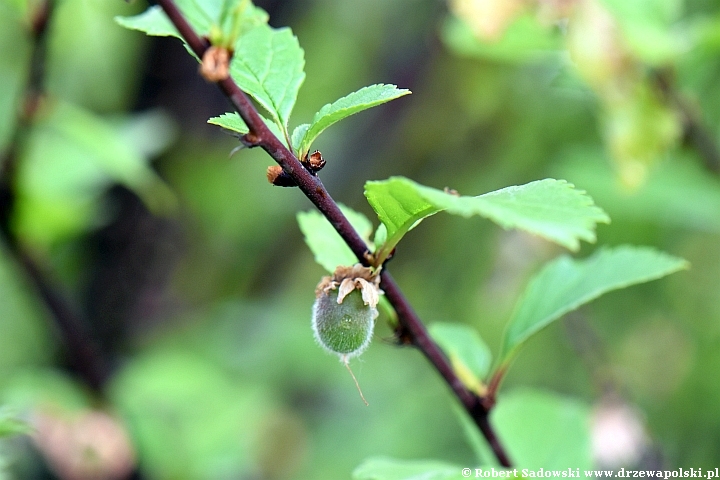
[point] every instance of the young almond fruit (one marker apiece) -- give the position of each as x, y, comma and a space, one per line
345, 310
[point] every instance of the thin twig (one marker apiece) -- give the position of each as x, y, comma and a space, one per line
312, 187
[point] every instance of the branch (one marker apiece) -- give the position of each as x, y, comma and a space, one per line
695, 131
412, 327
84, 354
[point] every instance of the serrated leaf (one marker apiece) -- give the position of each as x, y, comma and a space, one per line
468, 353
543, 430
565, 284
268, 65
329, 248
231, 121
381, 468
203, 16
152, 21
238, 17
399, 206
552, 209
351, 104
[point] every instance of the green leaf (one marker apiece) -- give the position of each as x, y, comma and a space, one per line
236, 18
329, 248
380, 236
10, 425
205, 17
355, 102
152, 21
268, 65
149, 132
565, 284
679, 192
71, 156
469, 355
297, 137
206, 414
552, 209
18, 8
543, 430
77, 25
399, 206
231, 121
381, 468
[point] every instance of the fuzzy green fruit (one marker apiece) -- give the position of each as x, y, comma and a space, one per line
343, 328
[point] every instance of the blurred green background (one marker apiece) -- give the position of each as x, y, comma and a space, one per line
193, 276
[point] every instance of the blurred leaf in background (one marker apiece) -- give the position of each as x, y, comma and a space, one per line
202, 266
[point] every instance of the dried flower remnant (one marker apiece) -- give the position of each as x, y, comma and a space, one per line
215, 65
345, 310
314, 162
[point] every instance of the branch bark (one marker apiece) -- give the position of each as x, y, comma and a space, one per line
411, 326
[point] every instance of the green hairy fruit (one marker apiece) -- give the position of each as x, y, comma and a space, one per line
345, 310
343, 328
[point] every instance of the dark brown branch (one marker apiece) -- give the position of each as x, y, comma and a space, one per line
85, 356
83, 353
312, 187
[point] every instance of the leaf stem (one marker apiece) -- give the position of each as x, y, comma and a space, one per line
411, 325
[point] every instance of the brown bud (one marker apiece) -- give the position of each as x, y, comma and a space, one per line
215, 64
278, 177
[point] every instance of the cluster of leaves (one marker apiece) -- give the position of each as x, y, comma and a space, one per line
268, 63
